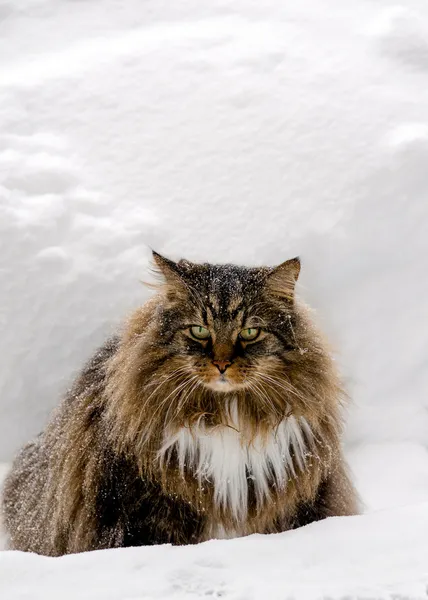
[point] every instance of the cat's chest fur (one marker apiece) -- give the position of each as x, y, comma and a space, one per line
236, 463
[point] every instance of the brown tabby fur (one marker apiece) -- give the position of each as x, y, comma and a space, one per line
93, 479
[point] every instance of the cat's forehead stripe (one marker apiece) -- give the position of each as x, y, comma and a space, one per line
214, 303
227, 292
209, 317
235, 304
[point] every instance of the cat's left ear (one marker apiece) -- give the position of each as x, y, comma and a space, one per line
281, 281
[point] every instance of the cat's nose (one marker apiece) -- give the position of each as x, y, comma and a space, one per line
222, 365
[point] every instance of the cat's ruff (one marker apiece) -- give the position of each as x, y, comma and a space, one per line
229, 457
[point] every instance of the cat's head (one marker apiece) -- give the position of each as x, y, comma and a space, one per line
218, 339
230, 327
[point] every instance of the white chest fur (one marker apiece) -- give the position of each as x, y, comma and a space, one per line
227, 460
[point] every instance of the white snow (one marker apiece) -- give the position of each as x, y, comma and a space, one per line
239, 131
381, 555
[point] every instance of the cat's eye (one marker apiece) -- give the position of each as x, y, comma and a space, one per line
249, 334
199, 332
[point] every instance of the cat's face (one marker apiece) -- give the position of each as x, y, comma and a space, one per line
220, 345
229, 328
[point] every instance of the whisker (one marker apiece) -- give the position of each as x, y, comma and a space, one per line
195, 383
168, 379
284, 385
268, 401
174, 392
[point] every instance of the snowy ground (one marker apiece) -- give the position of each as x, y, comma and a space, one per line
380, 555
240, 131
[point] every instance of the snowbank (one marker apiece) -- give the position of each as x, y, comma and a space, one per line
241, 131
377, 556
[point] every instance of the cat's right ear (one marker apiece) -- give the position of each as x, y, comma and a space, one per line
168, 268
169, 273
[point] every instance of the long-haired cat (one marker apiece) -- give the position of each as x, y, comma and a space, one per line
215, 413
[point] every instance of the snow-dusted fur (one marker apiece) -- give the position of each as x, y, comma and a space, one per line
229, 458
169, 437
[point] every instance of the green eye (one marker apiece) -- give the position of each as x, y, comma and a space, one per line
248, 335
200, 333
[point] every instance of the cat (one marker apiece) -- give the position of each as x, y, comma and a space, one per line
215, 413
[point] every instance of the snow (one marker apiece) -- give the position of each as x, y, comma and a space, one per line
247, 132
226, 133
382, 555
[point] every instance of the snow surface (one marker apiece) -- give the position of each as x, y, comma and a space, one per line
381, 555
244, 132
239, 131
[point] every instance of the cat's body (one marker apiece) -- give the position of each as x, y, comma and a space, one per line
187, 427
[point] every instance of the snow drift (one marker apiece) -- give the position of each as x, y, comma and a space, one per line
245, 132
382, 555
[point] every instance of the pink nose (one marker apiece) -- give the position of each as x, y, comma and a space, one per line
222, 365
